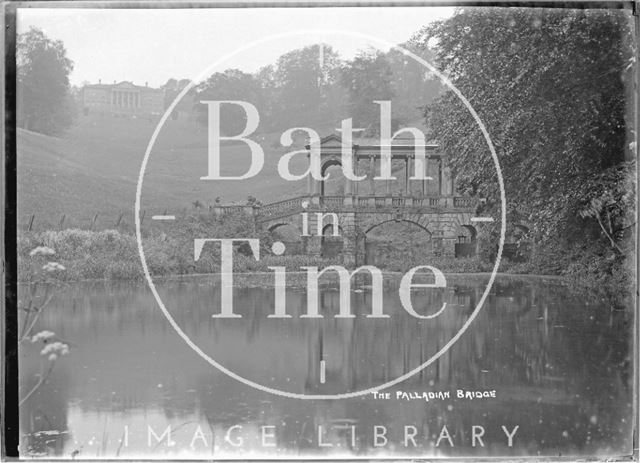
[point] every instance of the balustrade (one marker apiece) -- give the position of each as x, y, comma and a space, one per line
463, 202
293, 205
282, 207
332, 201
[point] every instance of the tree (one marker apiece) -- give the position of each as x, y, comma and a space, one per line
368, 78
186, 105
412, 84
231, 84
44, 104
303, 82
550, 86
171, 90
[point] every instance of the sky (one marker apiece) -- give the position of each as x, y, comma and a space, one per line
154, 45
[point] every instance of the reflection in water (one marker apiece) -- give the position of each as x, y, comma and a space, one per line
558, 361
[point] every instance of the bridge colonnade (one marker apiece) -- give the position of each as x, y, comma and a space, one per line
438, 179
429, 200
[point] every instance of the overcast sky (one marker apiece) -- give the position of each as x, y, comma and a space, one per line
155, 45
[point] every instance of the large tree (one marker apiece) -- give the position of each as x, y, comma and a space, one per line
172, 88
551, 87
368, 78
231, 84
412, 84
303, 83
44, 104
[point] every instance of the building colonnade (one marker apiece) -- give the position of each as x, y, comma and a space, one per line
125, 99
439, 178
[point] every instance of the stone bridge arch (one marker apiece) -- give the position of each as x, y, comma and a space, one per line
447, 229
381, 248
467, 241
451, 233
332, 241
327, 163
287, 230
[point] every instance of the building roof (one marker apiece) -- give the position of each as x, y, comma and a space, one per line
124, 85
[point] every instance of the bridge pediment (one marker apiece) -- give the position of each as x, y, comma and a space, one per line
331, 140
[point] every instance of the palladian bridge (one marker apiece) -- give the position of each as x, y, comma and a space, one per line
432, 204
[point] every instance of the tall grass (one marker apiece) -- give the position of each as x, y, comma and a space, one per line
111, 255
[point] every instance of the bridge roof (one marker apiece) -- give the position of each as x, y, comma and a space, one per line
400, 146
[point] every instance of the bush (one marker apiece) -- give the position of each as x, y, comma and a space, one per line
86, 254
110, 254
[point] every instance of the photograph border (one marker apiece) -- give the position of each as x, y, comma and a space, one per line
9, 436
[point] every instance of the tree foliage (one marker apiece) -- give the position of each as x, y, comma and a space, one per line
550, 87
367, 78
303, 86
44, 104
231, 84
313, 87
172, 88
412, 85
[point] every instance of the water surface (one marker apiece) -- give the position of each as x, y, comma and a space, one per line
557, 359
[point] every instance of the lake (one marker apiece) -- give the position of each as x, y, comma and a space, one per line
544, 369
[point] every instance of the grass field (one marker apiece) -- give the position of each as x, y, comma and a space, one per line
93, 169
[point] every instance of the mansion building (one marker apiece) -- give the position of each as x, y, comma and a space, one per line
122, 99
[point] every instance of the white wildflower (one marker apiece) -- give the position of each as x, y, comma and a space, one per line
44, 335
53, 357
58, 348
53, 266
42, 251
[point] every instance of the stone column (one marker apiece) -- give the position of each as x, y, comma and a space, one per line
348, 186
387, 188
348, 192
453, 184
447, 184
406, 176
372, 170
410, 167
425, 174
355, 172
313, 185
310, 178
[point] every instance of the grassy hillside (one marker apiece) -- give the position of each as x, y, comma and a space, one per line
94, 167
